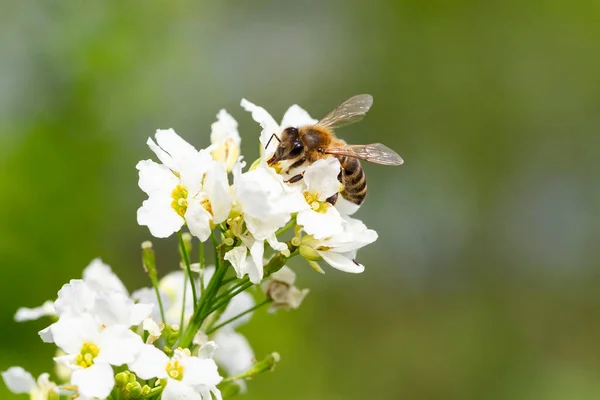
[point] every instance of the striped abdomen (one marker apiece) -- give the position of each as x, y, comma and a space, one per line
354, 180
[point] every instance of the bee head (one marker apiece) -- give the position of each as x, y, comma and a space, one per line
290, 146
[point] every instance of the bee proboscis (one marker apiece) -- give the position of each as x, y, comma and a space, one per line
303, 145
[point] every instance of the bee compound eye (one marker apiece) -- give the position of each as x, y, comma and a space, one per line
297, 148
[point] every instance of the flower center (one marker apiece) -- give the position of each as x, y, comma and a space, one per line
85, 358
175, 370
313, 200
179, 202
207, 206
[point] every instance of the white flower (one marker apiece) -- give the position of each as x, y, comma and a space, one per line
92, 349
320, 183
339, 251
20, 381
280, 288
97, 276
225, 140
266, 204
100, 277
188, 377
188, 187
110, 308
295, 116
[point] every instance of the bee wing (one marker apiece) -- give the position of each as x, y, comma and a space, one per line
349, 112
375, 153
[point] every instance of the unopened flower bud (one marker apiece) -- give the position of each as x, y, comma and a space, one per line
309, 253
122, 378
148, 259
187, 243
134, 389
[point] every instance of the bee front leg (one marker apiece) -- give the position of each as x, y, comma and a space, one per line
295, 178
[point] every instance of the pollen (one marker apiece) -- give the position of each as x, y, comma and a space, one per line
175, 370
207, 206
179, 202
86, 356
313, 200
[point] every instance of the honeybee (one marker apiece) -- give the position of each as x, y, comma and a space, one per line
300, 146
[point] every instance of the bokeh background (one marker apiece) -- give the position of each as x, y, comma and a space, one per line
484, 282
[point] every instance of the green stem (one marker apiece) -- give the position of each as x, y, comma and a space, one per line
267, 364
207, 298
160, 304
186, 260
181, 321
287, 227
232, 289
256, 307
202, 265
224, 300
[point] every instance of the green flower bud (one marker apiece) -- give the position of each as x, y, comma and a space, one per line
309, 253
122, 378
148, 259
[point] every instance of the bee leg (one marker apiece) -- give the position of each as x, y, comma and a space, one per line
296, 164
295, 178
332, 199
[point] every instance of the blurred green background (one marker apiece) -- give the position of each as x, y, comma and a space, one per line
484, 282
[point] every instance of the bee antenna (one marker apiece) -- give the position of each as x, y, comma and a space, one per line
271, 138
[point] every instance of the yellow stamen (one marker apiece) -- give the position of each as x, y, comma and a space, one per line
86, 356
179, 202
175, 370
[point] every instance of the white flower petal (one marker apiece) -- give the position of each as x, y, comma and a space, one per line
207, 350
237, 258
139, 312
296, 116
150, 363
339, 261
321, 177
285, 275
75, 297
159, 216
96, 381
163, 156
192, 170
18, 380
155, 178
225, 127
71, 331
100, 277
266, 121
321, 225
234, 353
257, 252
46, 335
118, 345
177, 148
200, 371
30, 314
177, 390
276, 244
216, 186
198, 220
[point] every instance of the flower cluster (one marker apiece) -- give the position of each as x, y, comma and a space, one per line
177, 339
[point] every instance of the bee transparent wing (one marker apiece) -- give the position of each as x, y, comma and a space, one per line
349, 112
376, 153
